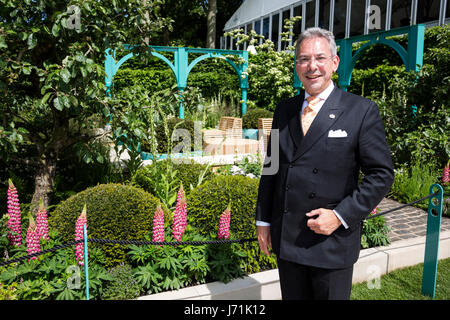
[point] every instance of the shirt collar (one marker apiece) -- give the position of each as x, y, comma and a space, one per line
325, 93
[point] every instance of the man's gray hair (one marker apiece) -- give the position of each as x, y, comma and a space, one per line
318, 32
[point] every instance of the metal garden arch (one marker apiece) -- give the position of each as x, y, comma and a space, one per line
181, 67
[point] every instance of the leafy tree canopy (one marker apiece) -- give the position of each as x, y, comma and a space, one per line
51, 71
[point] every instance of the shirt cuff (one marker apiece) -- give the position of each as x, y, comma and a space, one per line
262, 223
340, 218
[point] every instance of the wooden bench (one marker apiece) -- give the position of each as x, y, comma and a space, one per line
228, 127
227, 139
264, 127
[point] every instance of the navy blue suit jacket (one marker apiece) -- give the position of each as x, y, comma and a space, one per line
322, 171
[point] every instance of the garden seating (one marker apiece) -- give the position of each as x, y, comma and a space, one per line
229, 145
227, 139
264, 127
228, 127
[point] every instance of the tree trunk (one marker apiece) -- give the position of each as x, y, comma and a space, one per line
43, 182
211, 25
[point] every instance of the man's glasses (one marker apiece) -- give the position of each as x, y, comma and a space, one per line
305, 60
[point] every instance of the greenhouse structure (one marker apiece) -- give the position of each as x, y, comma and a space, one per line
345, 18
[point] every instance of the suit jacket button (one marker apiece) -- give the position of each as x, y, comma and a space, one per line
315, 170
286, 210
287, 187
291, 165
312, 195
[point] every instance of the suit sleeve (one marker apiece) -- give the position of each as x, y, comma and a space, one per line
268, 178
375, 162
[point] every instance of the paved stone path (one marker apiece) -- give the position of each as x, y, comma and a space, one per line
408, 222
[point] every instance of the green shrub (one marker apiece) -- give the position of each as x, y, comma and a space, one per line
372, 82
250, 119
122, 285
114, 211
206, 203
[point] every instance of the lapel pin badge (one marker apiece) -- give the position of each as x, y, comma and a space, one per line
332, 116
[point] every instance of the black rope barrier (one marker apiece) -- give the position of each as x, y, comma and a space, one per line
178, 243
37, 254
401, 207
167, 243
123, 242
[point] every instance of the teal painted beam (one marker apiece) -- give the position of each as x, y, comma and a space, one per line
181, 67
432, 241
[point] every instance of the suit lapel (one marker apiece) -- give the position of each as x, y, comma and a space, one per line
328, 114
294, 120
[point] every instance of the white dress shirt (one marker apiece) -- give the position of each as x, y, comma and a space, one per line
323, 97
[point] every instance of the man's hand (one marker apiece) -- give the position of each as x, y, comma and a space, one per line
324, 223
264, 240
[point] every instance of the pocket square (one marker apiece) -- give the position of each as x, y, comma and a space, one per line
337, 134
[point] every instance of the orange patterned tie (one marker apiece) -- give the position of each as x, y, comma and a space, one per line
309, 114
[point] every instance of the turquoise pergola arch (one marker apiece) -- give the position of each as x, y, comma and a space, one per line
181, 67
412, 57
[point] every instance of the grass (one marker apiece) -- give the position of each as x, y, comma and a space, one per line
405, 284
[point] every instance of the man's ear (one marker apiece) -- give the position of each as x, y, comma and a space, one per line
335, 63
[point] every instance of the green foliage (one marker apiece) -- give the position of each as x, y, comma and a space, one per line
152, 78
373, 81
153, 178
52, 72
250, 119
226, 261
423, 137
210, 76
374, 233
114, 211
53, 276
122, 286
206, 203
270, 77
413, 182
163, 134
162, 268
8, 292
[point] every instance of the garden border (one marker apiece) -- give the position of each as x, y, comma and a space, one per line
431, 241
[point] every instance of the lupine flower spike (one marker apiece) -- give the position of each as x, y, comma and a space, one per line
180, 215
41, 222
14, 221
158, 225
445, 174
224, 224
79, 247
33, 245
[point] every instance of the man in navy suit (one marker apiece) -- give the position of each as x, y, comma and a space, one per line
310, 210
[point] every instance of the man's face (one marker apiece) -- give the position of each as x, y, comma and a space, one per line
315, 64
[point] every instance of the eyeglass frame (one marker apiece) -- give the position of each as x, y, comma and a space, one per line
309, 59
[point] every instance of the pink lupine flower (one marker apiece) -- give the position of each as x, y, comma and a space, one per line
32, 239
79, 247
180, 215
158, 225
445, 175
224, 224
14, 221
41, 222
374, 211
